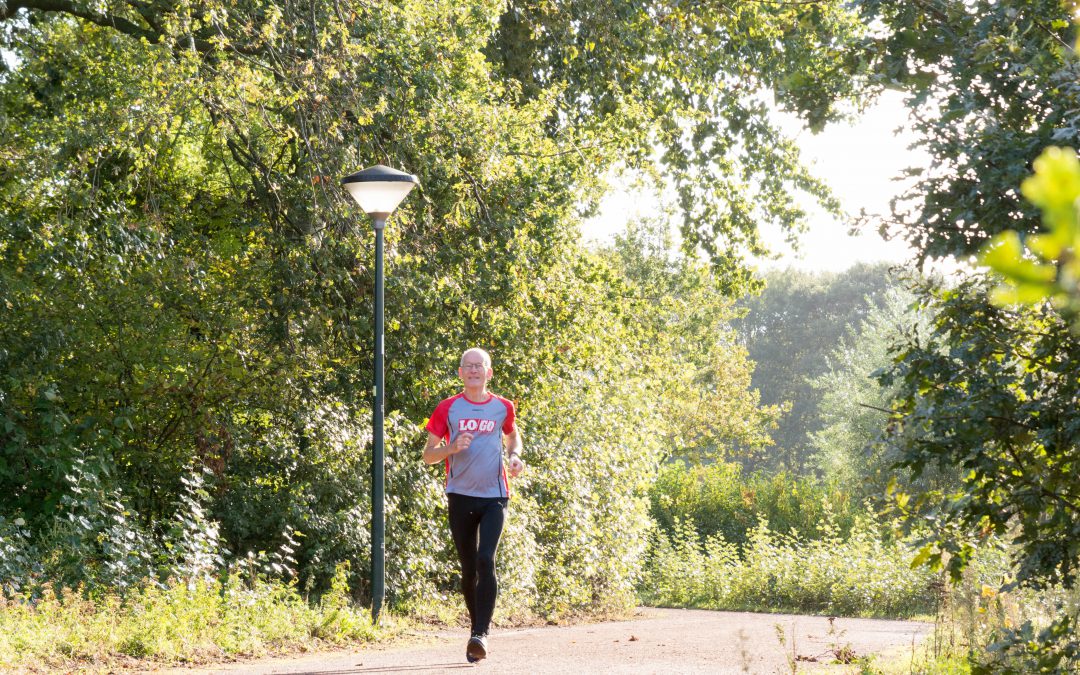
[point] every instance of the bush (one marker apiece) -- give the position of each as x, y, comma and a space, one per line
175, 622
861, 575
18, 557
586, 496
719, 499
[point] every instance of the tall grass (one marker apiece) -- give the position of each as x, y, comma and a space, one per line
992, 630
978, 626
974, 616
181, 622
863, 574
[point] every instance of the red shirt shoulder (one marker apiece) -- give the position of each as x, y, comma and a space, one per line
511, 414
439, 423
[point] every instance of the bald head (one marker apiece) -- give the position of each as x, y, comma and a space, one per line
474, 353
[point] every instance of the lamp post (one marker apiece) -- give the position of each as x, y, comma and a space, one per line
378, 190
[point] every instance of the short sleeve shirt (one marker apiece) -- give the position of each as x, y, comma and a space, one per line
477, 471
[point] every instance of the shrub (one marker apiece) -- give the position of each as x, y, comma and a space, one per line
721, 499
175, 622
863, 574
18, 556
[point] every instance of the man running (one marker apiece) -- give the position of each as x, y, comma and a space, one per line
470, 432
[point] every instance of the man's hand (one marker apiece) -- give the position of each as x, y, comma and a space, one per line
515, 466
460, 443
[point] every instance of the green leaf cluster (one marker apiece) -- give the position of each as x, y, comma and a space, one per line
1049, 269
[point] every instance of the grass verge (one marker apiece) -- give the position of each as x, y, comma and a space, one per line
861, 575
180, 623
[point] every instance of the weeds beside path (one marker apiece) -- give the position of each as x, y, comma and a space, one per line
654, 641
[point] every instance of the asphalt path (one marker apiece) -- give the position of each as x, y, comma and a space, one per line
654, 641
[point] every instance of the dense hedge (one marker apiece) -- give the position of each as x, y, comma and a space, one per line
722, 499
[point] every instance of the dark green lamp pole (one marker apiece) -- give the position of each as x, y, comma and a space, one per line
378, 190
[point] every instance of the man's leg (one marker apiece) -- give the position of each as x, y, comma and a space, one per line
463, 528
492, 518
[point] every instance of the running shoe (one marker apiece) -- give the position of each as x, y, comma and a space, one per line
476, 649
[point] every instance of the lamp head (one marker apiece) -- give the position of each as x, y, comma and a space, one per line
379, 189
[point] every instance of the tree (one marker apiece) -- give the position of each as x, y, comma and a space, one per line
990, 393
642, 79
990, 85
186, 290
855, 409
664, 377
695, 372
789, 330
991, 389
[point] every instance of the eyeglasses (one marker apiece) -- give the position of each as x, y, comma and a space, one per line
472, 366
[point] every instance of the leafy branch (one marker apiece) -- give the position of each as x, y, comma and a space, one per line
1043, 266
11, 8
153, 31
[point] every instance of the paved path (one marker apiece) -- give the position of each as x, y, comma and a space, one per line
656, 641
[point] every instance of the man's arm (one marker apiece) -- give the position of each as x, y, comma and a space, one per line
512, 442
436, 451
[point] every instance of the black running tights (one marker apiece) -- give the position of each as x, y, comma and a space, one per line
476, 524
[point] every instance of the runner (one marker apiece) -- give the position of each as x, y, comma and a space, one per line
470, 432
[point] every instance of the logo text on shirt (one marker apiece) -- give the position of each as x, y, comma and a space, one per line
477, 425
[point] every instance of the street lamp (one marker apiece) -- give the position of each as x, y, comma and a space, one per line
378, 190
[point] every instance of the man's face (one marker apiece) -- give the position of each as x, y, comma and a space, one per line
472, 371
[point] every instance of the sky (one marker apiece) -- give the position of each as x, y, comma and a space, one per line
858, 160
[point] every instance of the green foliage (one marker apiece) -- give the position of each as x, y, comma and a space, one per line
863, 574
851, 448
19, 560
687, 356
1001, 88
589, 472
1053, 649
991, 391
180, 622
790, 330
1012, 481
721, 499
972, 614
1054, 274
185, 351
660, 80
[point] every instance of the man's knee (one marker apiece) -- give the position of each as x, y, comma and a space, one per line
485, 563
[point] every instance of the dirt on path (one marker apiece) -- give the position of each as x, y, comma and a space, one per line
655, 641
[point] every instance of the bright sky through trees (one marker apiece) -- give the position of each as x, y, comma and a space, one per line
859, 161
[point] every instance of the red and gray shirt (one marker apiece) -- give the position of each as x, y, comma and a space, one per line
477, 471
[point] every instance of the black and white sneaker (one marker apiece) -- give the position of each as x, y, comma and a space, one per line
476, 649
